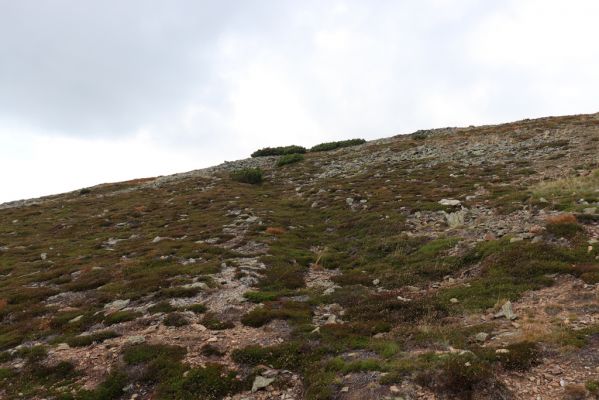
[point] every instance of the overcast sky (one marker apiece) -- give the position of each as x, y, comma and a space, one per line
95, 91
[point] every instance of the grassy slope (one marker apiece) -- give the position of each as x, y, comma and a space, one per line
374, 241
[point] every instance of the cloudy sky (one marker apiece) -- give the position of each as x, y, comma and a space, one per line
94, 91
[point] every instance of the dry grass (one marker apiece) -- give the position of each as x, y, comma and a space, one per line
580, 186
561, 219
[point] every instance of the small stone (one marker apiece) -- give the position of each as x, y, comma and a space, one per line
481, 337
506, 311
137, 339
453, 300
449, 202
76, 319
349, 201
156, 239
376, 282
62, 347
261, 382
394, 389
117, 305
516, 239
345, 389
590, 210
43, 256
330, 290
502, 351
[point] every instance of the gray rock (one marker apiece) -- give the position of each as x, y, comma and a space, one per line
117, 305
449, 202
506, 311
455, 219
261, 382
349, 201
590, 210
481, 337
136, 339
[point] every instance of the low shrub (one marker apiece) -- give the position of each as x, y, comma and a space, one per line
209, 383
86, 340
120, 316
111, 388
162, 307
213, 322
177, 292
327, 146
197, 308
289, 159
279, 151
520, 356
143, 353
276, 310
252, 176
175, 319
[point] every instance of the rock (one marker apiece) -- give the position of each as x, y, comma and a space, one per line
376, 282
330, 290
481, 337
455, 219
76, 319
43, 256
590, 210
345, 389
117, 305
136, 339
516, 239
62, 347
261, 382
349, 201
502, 351
506, 311
157, 239
453, 300
449, 202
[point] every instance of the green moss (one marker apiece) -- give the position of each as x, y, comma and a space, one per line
121, 316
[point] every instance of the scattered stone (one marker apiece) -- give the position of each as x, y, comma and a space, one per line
137, 339
349, 201
481, 337
62, 347
261, 382
43, 256
117, 305
455, 219
76, 319
506, 311
453, 300
449, 202
376, 282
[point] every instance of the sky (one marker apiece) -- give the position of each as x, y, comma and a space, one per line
95, 91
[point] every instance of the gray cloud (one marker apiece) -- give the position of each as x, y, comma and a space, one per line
197, 82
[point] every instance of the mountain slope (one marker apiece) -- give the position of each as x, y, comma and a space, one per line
451, 263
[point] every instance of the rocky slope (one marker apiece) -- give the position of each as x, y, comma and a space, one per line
451, 263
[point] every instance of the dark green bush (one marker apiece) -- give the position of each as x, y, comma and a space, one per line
209, 383
289, 159
86, 340
211, 321
162, 307
197, 308
143, 353
120, 316
252, 176
337, 145
279, 151
521, 356
287, 310
111, 388
175, 319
